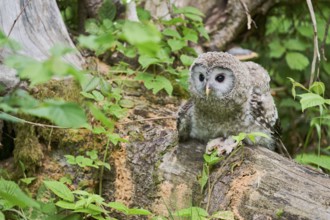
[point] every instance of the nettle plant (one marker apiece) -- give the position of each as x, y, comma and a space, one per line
156, 52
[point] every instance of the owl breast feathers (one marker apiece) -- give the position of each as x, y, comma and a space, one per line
228, 97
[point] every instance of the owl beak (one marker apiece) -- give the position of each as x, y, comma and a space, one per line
207, 90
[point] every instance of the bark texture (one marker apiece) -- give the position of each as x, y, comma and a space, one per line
37, 26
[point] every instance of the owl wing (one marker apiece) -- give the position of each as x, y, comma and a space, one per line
262, 104
183, 122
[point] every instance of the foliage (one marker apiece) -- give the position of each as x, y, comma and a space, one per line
91, 161
286, 49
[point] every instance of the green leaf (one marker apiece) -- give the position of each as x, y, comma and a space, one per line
107, 10
11, 192
60, 189
98, 114
89, 82
194, 17
313, 159
117, 111
295, 44
212, 159
171, 32
296, 61
318, 88
188, 10
98, 96
309, 100
136, 211
276, 49
119, 207
64, 114
186, 60
28, 180
2, 216
190, 34
176, 44
205, 176
146, 61
145, 37
155, 83
66, 205
193, 212
225, 215
326, 67
203, 32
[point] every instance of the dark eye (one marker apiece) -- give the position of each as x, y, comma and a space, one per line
220, 78
201, 77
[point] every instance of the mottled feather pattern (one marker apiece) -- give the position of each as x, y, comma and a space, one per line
245, 106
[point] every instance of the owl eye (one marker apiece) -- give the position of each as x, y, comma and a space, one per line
201, 77
220, 78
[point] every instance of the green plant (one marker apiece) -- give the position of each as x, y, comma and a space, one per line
197, 213
91, 161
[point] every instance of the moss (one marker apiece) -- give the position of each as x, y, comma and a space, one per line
28, 150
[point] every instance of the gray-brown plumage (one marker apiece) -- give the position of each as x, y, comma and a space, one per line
228, 97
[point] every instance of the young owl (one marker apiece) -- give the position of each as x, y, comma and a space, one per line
228, 97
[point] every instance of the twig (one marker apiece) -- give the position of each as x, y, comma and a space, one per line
33, 123
325, 39
248, 16
316, 55
147, 119
18, 16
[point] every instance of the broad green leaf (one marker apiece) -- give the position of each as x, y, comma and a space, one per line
2, 216
136, 211
119, 207
203, 32
193, 212
240, 137
60, 189
66, 205
296, 61
155, 83
87, 95
194, 17
99, 115
117, 111
305, 30
318, 88
7, 117
326, 67
70, 159
171, 32
225, 215
212, 159
309, 100
188, 10
108, 10
313, 159
186, 60
11, 192
295, 44
146, 61
276, 49
176, 44
64, 114
190, 34
98, 96
145, 37
89, 82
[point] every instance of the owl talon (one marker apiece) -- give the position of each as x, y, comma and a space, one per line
223, 146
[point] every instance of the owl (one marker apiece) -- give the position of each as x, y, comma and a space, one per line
228, 97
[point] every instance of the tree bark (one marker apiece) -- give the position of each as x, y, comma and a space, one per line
37, 26
255, 183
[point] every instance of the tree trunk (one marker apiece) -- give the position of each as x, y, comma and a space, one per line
37, 26
255, 183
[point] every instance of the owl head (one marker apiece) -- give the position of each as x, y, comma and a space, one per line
217, 76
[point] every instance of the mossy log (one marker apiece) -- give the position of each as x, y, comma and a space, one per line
255, 183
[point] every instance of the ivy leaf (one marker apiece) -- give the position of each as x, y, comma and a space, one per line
296, 61
60, 189
309, 100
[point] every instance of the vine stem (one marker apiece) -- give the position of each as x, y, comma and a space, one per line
316, 54
18, 16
